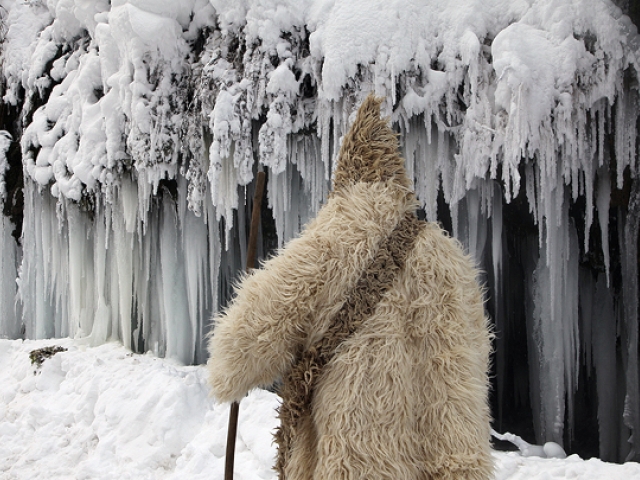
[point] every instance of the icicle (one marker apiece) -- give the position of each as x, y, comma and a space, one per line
296, 210
324, 132
9, 318
214, 252
44, 267
101, 328
224, 186
625, 133
547, 334
122, 277
476, 228
409, 148
81, 289
149, 317
180, 328
555, 318
138, 196
588, 220
9, 325
277, 193
194, 246
496, 237
291, 206
603, 195
5, 143
427, 177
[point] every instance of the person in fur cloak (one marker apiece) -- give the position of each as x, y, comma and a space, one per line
375, 324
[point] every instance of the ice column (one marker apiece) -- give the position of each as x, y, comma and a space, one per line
9, 325
124, 228
9, 318
102, 322
174, 302
81, 277
43, 273
555, 320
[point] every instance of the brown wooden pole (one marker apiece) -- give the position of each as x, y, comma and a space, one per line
231, 440
251, 260
255, 221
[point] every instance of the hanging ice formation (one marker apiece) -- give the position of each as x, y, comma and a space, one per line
138, 127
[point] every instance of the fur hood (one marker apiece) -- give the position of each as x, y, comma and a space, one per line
369, 151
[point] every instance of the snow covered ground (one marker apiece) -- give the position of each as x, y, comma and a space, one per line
105, 413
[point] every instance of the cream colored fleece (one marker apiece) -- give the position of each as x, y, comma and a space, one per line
405, 397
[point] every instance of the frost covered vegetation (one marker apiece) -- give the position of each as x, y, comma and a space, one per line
131, 130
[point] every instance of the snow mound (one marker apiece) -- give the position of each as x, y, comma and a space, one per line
106, 413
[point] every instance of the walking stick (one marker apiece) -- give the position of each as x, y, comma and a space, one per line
251, 260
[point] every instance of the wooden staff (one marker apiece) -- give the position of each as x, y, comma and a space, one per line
251, 260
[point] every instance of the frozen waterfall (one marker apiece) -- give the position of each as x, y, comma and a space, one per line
130, 133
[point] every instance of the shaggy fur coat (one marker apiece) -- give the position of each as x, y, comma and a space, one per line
405, 395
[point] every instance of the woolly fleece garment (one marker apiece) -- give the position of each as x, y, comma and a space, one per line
405, 396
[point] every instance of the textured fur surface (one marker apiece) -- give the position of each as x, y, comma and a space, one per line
405, 396
299, 385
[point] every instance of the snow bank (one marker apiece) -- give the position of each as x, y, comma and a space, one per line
106, 413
